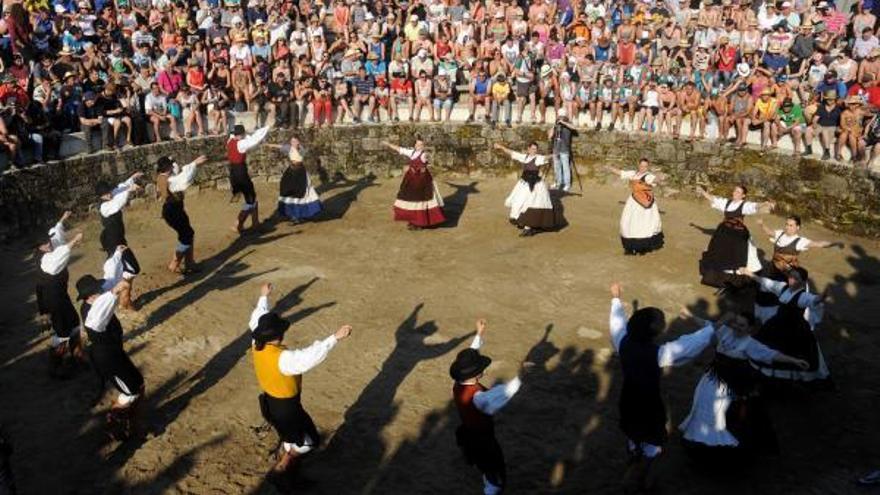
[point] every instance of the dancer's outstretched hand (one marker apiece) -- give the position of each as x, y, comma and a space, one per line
266, 289
481, 326
343, 332
616, 290
66, 215
200, 160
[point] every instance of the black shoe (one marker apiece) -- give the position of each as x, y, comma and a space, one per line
469, 119
611, 127
599, 126
807, 151
826, 155
527, 232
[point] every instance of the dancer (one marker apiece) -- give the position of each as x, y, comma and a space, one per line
787, 246
731, 246
240, 181
418, 202
53, 302
531, 207
171, 184
642, 412
640, 228
113, 200
297, 200
477, 406
100, 298
279, 373
728, 418
790, 327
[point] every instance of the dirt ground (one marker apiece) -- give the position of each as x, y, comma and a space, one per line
382, 398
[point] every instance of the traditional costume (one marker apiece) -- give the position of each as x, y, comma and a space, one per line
418, 201
171, 184
53, 300
640, 227
727, 416
786, 249
642, 412
106, 347
297, 199
239, 180
279, 372
789, 328
731, 246
477, 406
530, 204
113, 226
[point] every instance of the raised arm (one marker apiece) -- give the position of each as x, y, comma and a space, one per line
101, 311
390, 146
299, 361
767, 230
58, 234
113, 268
685, 348
120, 197
54, 261
491, 401
253, 140
504, 149
184, 178
702, 192
478, 338
617, 320
262, 306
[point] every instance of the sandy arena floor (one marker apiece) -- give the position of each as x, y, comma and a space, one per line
382, 398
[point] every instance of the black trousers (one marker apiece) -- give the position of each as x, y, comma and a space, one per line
89, 130
286, 113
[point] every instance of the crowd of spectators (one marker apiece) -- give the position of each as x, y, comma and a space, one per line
127, 72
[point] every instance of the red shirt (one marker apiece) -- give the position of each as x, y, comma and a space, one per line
235, 157
471, 417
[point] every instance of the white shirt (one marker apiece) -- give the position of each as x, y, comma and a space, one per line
101, 311
253, 140
634, 174
491, 401
805, 299
296, 361
719, 203
412, 153
57, 235
113, 269
183, 178
675, 353
743, 347
120, 198
524, 158
781, 239
56, 260
155, 103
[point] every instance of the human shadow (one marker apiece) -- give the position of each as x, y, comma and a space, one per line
338, 205
359, 441
704, 230
556, 197
455, 204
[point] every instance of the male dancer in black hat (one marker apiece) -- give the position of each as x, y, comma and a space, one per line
642, 412
105, 335
239, 180
113, 200
53, 302
279, 372
171, 183
476, 407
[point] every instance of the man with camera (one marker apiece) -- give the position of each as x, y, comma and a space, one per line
561, 135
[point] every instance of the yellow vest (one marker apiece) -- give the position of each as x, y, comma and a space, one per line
269, 375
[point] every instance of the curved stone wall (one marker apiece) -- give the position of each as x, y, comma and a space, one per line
838, 196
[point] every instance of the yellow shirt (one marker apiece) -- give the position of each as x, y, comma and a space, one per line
766, 109
500, 90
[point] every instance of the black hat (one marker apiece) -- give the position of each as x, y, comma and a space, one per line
270, 327
468, 364
103, 187
88, 286
238, 130
165, 164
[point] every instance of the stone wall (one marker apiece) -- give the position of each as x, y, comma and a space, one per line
835, 195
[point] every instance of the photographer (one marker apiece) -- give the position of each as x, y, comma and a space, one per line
561, 135
90, 117
286, 110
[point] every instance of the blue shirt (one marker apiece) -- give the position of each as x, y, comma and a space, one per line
837, 85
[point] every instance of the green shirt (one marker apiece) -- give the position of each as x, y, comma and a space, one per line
792, 118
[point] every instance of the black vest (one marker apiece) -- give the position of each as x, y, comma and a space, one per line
110, 337
113, 232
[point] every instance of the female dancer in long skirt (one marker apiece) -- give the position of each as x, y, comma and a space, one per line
171, 184
531, 207
297, 200
790, 327
640, 228
53, 302
731, 246
787, 246
418, 202
728, 419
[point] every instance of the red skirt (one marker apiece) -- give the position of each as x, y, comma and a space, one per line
418, 201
